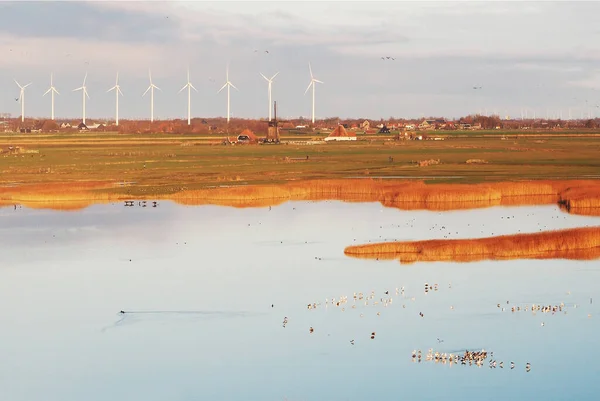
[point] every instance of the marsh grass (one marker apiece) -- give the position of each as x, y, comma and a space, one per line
578, 243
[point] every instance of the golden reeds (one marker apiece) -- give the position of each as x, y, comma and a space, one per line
574, 196
577, 243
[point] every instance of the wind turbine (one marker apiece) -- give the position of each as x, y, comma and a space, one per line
270, 81
22, 99
189, 87
117, 89
52, 91
228, 84
151, 89
312, 83
84, 93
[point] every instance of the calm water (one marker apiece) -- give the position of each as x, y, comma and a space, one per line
199, 283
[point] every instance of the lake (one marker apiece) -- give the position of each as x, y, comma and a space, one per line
206, 290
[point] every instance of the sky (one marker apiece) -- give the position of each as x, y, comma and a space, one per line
528, 58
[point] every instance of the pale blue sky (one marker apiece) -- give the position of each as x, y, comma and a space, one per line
542, 56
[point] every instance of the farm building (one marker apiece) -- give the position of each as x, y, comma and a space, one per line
340, 134
247, 136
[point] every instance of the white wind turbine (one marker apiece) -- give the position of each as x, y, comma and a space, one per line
22, 99
229, 85
312, 83
84, 93
117, 89
52, 91
189, 87
151, 89
270, 81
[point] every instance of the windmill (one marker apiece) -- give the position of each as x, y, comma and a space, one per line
313, 82
151, 89
189, 87
84, 93
229, 85
22, 99
117, 89
52, 91
270, 81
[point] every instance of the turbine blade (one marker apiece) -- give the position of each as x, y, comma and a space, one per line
117, 82
222, 87
147, 90
264, 77
316, 80
55, 91
233, 86
18, 84
192, 86
310, 69
311, 83
150, 75
114, 87
273, 77
86, 93
78, 89
119, 89
156, 87
185, 86
84, 78
48, 91
27, 85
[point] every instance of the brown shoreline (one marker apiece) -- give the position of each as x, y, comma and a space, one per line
574, 196
576, 244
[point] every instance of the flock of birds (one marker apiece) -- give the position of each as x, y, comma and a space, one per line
386, 299
130, 203
477, 358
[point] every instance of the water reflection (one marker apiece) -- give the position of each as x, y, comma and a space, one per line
218, 284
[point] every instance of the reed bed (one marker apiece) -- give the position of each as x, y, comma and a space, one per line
574, 196
577, 243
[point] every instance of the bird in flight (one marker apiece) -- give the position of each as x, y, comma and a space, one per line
477, 87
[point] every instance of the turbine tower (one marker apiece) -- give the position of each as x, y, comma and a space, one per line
52, 91
22, 99
312, 83
270, 81
117, 89
151, 89
189, 87
229, 85
84, 93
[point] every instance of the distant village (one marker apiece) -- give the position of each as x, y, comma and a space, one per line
410, 128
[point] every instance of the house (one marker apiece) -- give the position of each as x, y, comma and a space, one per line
366, 125
340, 134
431, 124
95, 126
384, 130
82, 126
247, 137
65, 124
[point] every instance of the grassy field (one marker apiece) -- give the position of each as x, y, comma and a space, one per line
162, 164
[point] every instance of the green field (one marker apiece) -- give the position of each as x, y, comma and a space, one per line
162, 163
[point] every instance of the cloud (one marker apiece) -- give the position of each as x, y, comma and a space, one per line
85, 21
77, 55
